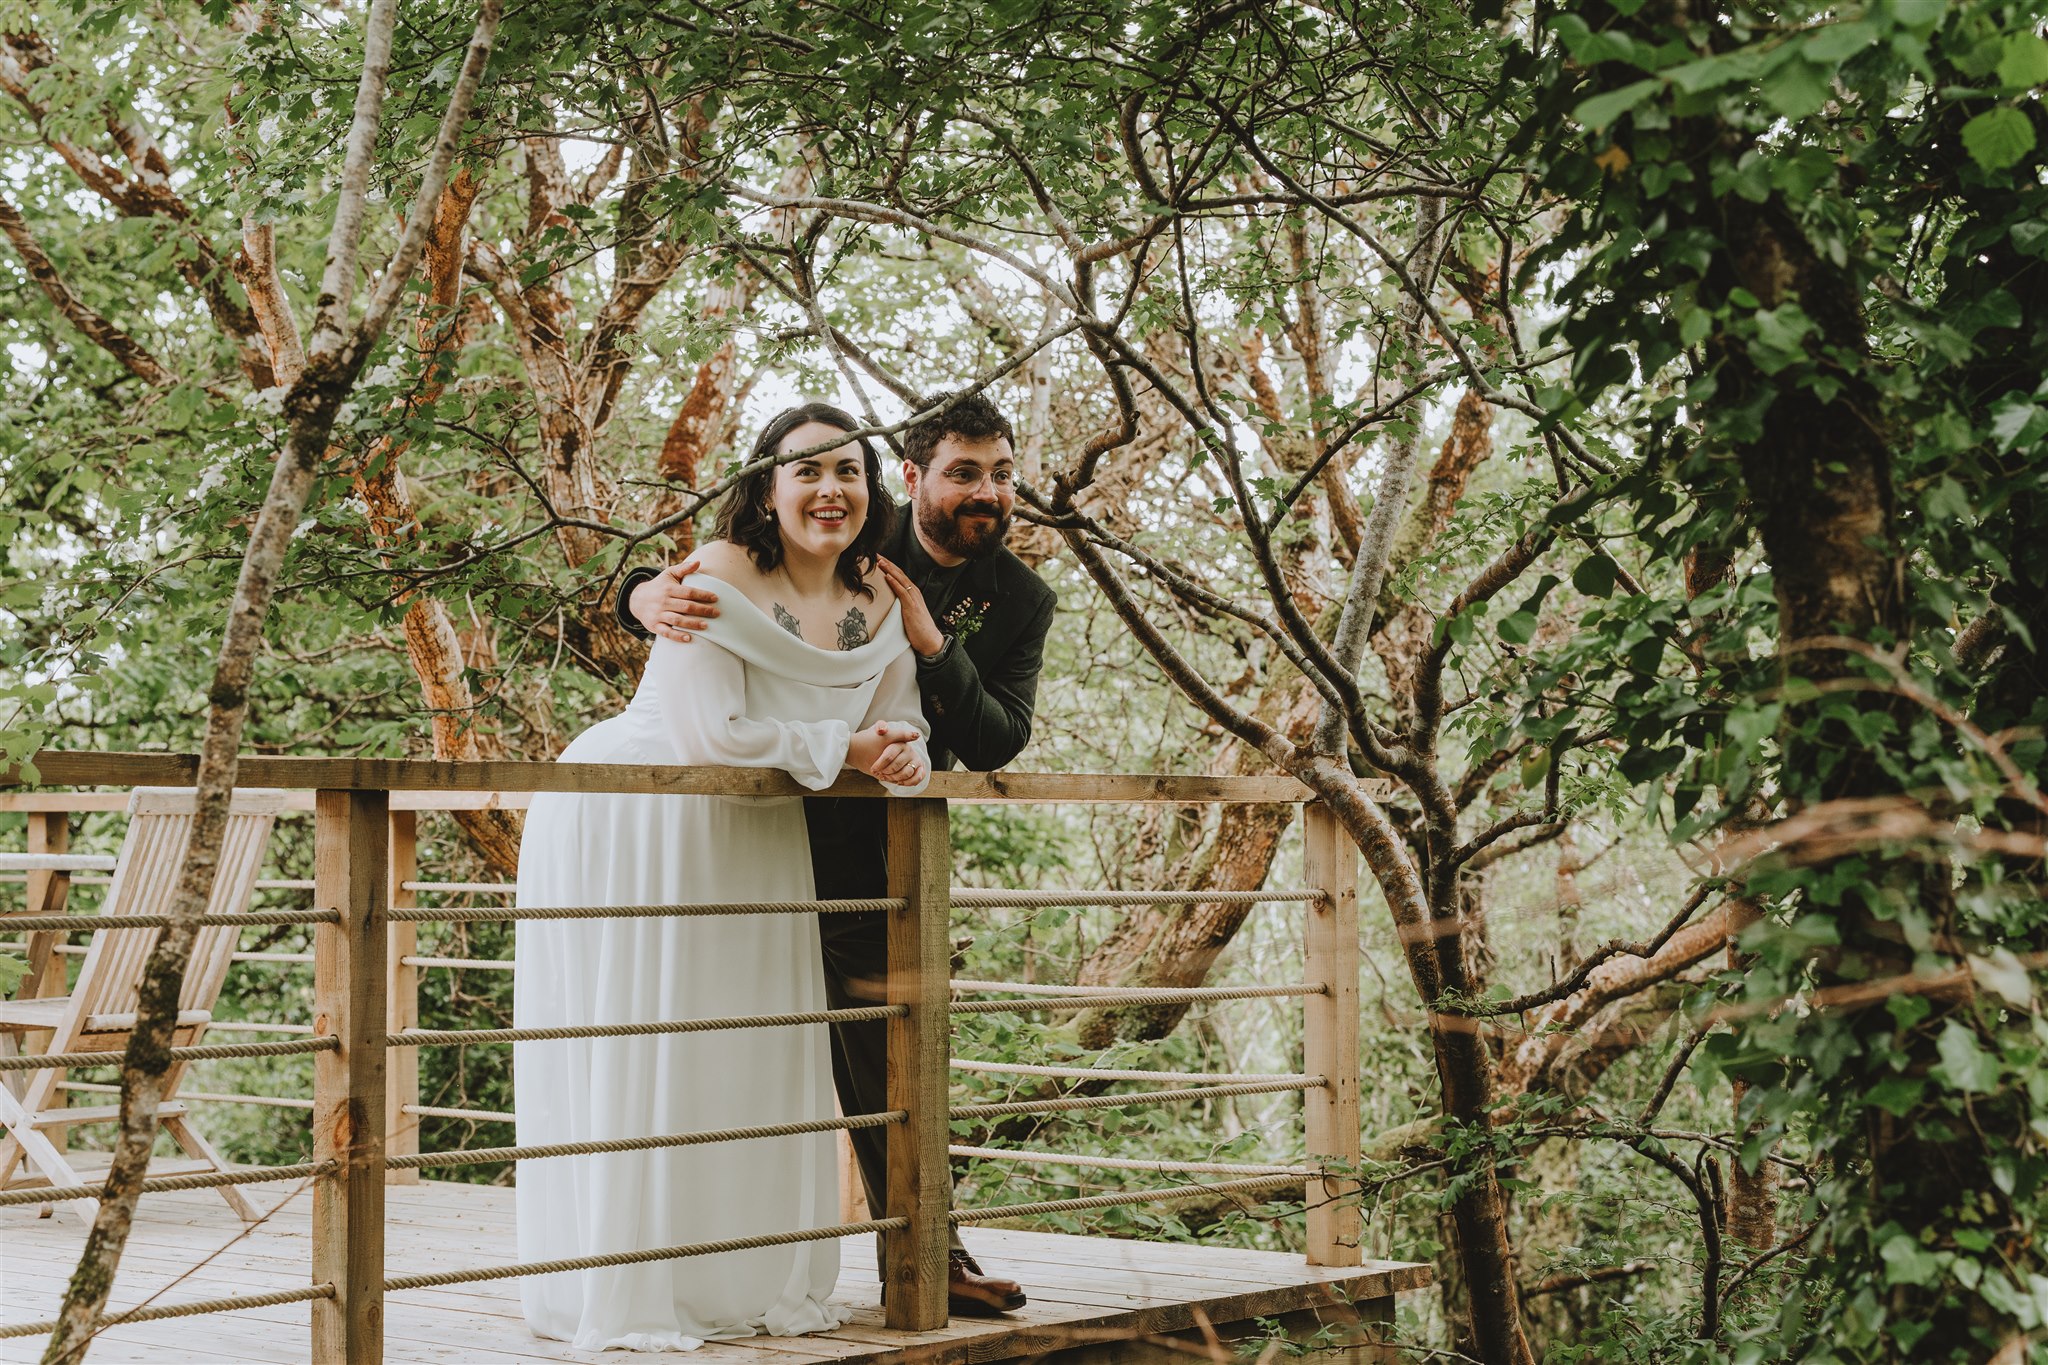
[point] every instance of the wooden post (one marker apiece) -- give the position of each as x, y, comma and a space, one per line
919, 1182
402, 997
350, 875
1330, 1035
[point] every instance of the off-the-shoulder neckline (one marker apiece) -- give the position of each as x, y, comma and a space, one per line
874, 634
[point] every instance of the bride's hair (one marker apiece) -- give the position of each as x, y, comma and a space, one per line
747, 515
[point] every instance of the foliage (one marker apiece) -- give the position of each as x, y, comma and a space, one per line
1726, 329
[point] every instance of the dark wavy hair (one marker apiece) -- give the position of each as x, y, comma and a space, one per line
747, 515
972, 418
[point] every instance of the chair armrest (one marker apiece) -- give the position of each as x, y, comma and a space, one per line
55, 862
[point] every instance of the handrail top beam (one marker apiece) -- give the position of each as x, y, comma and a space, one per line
85, 768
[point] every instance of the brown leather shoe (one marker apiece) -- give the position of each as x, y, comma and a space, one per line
971, 1294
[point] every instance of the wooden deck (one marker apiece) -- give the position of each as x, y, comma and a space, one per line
1092, 1297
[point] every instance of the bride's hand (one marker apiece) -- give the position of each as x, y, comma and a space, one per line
868, 745
899, 766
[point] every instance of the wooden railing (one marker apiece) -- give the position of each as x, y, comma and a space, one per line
366, 966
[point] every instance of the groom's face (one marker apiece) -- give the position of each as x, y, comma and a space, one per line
963, 499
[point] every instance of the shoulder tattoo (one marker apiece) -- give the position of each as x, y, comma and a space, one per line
788, 622
853, 629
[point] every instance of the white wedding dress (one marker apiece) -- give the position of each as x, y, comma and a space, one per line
745, 693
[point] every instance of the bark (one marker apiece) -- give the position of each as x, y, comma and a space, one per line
1618, 979
96, 328
1437, 956
432, 646
1403, 633
144, 191
310, 409
1390, 504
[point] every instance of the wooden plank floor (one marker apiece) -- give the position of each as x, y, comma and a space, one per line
188, 1246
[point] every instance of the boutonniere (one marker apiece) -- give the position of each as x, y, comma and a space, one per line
965, 617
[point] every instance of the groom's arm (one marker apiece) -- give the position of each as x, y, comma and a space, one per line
983, 718
653, 602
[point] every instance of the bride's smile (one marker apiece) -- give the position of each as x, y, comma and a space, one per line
821, 501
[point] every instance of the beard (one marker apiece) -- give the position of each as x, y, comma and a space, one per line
949, 532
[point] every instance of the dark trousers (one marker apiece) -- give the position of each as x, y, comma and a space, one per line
849, 860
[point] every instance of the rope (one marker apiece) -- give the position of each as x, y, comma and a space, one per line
1062, 1105
471, 888
460, 1037
487, 964
1111, 1201
1084, 1073
675, 1253
199, 1180
180, 1310
273, 1101
1133, 994
1106, 992
976, 899
88, 923
50, 1060
420, 915
428, 1111
1112, 1163
483, 1155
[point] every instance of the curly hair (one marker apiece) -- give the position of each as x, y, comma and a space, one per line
747, 515
972, 417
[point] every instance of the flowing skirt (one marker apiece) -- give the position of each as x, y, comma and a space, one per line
650, 850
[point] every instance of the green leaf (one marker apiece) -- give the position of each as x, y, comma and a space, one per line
12, 970
1896, 1095
1594, 576
1965, 1065
1796, 88
1601, 110
2024, 61
1517, 628
1907, 1262
1998, 138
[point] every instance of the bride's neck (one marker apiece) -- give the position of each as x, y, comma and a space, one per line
811, 575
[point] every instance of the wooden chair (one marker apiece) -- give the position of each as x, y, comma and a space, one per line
99, 1012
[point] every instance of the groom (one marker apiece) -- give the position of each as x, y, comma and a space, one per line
977, 623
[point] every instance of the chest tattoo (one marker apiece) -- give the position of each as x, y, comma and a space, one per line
787, 621
853, 629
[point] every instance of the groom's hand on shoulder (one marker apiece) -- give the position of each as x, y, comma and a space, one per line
666, 606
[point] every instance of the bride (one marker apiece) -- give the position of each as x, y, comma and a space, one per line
809, 671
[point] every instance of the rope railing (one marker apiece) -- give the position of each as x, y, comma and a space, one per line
1117, 1163
47, 1061
364, 946
91, 923
1134, 995
465, 1037
400, 1283
432, 1111
198, 1180
968, 1217
1067, 1103
414, 914
481, 1156
268, 1101
975, 898
179, 1310
1089, 1073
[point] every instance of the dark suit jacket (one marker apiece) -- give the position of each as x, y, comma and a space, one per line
978, 699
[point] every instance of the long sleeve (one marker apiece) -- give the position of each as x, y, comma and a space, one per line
984, 720
896, 700
703, 694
